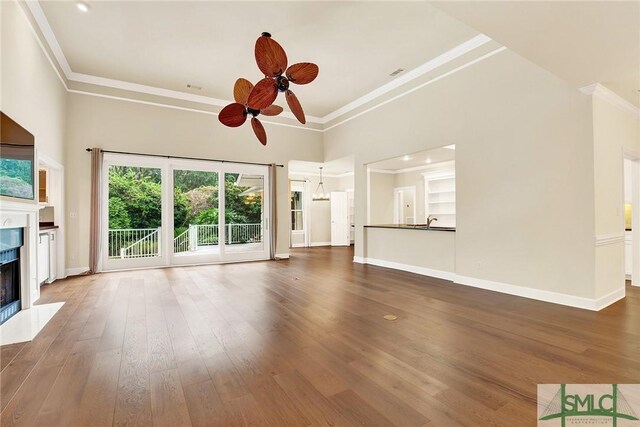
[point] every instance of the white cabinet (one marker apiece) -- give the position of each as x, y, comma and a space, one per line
47, 256
44, 248
628, 254
53, 255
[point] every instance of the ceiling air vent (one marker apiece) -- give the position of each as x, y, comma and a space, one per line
190, 86
396, 72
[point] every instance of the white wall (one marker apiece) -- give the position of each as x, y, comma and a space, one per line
524, 169
127, 126
380, 198
31, 92
614, 133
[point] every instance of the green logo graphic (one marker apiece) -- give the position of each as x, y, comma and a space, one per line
565, 405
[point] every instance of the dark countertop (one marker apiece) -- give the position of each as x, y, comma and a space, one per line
47, 226
412, 227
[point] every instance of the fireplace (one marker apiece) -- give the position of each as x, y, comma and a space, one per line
11, 240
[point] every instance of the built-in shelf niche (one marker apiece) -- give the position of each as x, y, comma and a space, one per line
440, 194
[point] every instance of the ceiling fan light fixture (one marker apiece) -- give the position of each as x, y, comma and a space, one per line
320, 195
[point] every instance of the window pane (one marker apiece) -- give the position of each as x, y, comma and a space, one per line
296, 221
135, 212
296, 200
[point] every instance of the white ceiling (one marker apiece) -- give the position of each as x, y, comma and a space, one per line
414, 160
583, 42
169, 44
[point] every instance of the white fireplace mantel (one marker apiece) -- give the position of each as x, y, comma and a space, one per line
24, 215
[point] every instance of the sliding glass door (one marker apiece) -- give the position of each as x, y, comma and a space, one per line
160, 212
134, 212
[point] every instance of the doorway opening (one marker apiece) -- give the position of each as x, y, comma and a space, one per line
632, 218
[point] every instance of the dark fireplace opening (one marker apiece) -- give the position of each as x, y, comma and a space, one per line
10, 243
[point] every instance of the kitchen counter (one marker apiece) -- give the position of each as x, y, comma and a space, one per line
412, 227
46, 227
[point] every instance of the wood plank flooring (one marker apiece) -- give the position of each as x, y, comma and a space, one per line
303, 342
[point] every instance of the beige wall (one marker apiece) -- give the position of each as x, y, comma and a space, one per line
614, 133
319, 219
380, 199
31, 93
434, 250
524, 169
127, 126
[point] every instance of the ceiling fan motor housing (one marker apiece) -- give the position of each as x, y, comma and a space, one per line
283, 83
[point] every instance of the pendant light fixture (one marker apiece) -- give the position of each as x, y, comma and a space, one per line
320, 195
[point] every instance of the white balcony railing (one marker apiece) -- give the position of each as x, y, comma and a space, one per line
143, 243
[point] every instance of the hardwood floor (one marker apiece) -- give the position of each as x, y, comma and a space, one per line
303, 342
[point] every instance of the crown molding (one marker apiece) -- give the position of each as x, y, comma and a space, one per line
42, 23
428, 66
607, 95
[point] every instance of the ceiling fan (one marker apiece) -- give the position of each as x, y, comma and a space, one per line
234, 115
272, 61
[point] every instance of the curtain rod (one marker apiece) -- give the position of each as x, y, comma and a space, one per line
185, 158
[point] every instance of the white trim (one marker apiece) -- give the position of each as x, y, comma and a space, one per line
440, 60
609, 239
612, 98
76, 271
423, 69
177, 107
543, 295
428, 82
423, 271
282, 256
316, 244
298, 245
341, 175
594, 304
374, 170
35, 34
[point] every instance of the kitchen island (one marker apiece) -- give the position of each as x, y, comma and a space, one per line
410, 247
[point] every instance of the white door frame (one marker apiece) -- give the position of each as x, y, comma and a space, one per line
167, 257
398, 200
635, 214
114, 159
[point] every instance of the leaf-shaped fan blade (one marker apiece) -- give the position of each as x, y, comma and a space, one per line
302, 73
233, 115
263, 94
271, 110
258, 129
295, 106
241, 90
270, 56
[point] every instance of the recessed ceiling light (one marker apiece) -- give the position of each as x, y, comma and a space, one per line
450, 147
82, 6
428, 160
406, 158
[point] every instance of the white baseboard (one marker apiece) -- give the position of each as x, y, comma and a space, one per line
298, 245
610, 298
424, 271
505, 288
314, 244
76, 271
282, 256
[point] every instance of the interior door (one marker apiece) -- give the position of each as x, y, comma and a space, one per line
340, 228
135, 208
